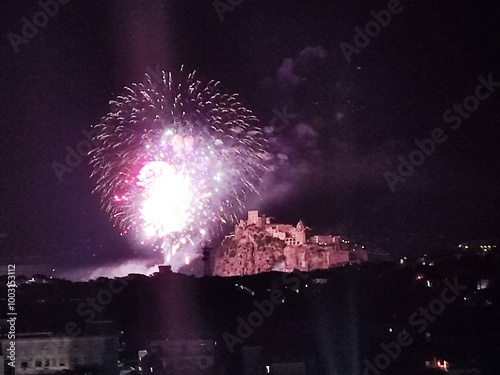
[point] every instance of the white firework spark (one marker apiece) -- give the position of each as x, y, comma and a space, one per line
176, 161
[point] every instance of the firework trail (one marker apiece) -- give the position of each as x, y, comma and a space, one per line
175, 162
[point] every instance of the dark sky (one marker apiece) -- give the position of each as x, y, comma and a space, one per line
347, 122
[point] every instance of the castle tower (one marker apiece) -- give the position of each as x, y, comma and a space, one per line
300, 235
253, 217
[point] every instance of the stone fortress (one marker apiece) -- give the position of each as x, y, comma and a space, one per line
258, 245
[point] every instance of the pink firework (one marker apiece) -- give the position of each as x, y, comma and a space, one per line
176, 162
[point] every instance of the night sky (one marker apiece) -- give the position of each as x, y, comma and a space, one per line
346, 123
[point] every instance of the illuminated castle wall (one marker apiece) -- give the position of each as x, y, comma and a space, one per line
258, 245
288, 233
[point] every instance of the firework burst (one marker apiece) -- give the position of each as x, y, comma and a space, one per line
175, 162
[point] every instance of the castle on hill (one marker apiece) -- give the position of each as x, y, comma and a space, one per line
288, 233
258, 245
